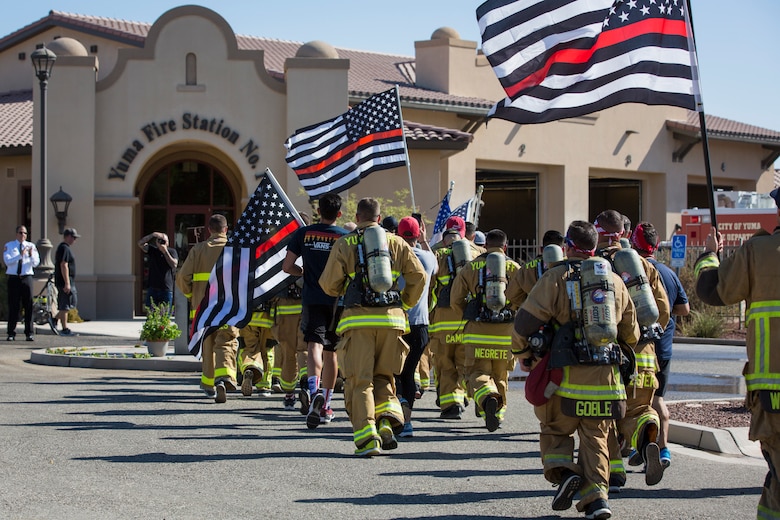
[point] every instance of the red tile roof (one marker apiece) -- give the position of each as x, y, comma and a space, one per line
369, 73
16, 120
718, 127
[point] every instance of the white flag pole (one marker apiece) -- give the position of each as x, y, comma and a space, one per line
406, 150
478, 204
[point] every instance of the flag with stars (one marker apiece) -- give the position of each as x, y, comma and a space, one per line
566, 58
331, 156
248, 272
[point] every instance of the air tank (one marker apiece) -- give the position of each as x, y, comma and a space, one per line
625, 244
598, 302
551, 255
380, 273
629, 266
461, 253
495, 281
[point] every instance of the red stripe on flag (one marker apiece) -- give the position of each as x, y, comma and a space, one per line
605, 39
347, 150
277, 237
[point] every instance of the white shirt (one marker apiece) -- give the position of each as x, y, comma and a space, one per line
12, 256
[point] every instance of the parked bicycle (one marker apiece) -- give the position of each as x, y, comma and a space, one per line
43, 302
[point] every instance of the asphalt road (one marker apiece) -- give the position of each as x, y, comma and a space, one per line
116, 444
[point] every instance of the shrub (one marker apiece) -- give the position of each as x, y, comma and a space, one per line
703, 324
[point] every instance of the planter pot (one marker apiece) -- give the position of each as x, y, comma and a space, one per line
157, 348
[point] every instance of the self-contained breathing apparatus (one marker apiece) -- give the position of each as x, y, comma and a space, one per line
489, 305
460, 255
590, 337
373, 284
628, 265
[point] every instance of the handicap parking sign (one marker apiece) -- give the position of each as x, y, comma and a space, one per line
678, 250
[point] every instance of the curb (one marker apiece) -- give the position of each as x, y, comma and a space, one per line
703, 438
709, 341
117, 358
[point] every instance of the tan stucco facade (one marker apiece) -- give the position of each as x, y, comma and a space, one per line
115, 120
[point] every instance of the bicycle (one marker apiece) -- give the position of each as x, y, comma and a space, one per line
42, 313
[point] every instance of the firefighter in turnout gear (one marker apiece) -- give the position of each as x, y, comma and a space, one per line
364, 266
446, 327
255, 353
291, 352
219, 348
751, 274
591, 393
478, 293
640, 426
529, 273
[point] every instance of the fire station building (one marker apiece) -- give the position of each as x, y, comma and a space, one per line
156, 126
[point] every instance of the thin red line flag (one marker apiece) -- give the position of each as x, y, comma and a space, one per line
567, 58
334, 155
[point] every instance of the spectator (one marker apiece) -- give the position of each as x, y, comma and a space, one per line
162, 268
64, 274
20, 257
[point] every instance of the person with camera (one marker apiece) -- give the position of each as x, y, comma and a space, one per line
162, 268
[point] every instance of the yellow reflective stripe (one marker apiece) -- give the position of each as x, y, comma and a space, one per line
485, 391
707, 262
485, 339
200, 277
206, 381
192, 313
645, 361
289, 309
444, 279
389, 408
557, 458
643, 420
446, 326
591, 392
188, 295
764, 513
758, 316
225, 372
372, 321
364, 434
261, 320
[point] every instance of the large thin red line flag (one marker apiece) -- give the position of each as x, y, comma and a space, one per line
567, 58
334, 155
248, 272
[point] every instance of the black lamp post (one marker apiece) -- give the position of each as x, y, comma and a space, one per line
43, 60
61, 201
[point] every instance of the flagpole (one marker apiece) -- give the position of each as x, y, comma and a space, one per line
478, 204
702, 122
406, 150
283, 195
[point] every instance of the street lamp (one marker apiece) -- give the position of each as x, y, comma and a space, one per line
61, 201
43, 60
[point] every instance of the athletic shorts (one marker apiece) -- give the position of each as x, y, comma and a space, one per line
67, 301
317, 324
663, 376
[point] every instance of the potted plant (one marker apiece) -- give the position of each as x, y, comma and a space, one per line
158, 329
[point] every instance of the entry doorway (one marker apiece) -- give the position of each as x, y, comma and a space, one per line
178, 200
622, 195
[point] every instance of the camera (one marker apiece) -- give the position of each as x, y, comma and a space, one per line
160, 241
418, 217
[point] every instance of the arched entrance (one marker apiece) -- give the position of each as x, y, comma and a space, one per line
178, 199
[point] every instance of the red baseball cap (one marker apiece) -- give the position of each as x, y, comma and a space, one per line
455, 224
409, 228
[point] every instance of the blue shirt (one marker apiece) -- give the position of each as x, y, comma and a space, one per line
418, 315
677, 296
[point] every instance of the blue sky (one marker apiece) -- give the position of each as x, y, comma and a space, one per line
737, 42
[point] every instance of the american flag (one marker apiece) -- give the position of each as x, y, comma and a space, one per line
248, 272
333, 155
567, 58
466, 211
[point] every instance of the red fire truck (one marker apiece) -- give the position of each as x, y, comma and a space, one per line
740, 214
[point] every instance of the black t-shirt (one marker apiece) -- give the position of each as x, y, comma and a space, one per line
63, 254
160, 273
313, 243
